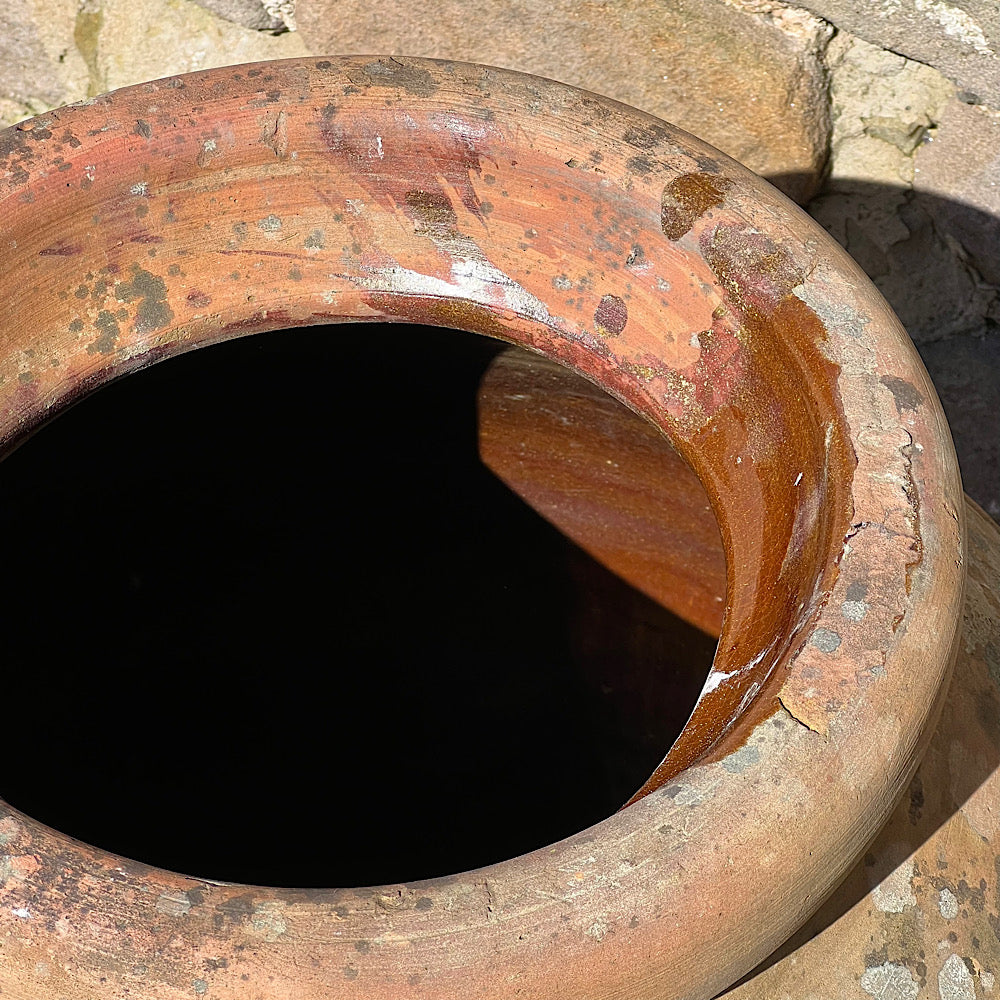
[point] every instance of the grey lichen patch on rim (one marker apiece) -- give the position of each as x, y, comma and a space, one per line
174, 904
10, 830
890, 981
947, 904
686, 795
316, 240
742, 759
392, 72
268, 920
955, 981
906, 394
853, 610
895, 892
109, 332
826, 640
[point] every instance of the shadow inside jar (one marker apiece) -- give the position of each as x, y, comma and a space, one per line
273, 621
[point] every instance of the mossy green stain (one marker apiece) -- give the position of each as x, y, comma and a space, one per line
316, 240
109, 332
150, 291
86, 33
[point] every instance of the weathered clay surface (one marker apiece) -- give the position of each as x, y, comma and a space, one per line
922, 907
746, 77
959, 37
920, 914
183, 212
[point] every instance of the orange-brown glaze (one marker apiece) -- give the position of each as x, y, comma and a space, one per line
607, 479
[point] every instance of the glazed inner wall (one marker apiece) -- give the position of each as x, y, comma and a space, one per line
608, 480
675, 303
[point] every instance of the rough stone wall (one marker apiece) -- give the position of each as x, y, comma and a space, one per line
960, 37
882, 116
54, 52
913, 193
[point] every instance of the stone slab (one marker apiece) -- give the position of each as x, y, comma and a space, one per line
250, 13
959, 37
887, 115
40, 63
745, 75
54, 52
156, 38
884, 106
892, 234
959, 173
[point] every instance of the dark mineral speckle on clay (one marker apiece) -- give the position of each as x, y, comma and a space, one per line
611, 315
390, 72
906, 394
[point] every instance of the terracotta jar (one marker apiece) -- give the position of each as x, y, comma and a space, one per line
195, 209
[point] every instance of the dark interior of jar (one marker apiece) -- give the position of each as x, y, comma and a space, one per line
261, 631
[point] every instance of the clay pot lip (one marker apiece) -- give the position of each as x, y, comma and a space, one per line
627, 882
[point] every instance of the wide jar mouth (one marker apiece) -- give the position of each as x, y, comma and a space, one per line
347, 602
666, 294
199, 209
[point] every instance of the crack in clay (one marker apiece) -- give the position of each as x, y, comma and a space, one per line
913, 497
887, 518
490, 902
801, 722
